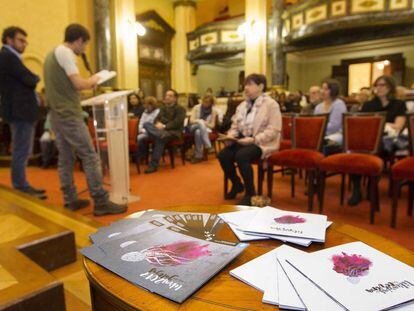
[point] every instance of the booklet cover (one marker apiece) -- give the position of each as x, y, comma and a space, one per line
358, 276
288, 297
163, 261
269, 220
258, 271
301, 292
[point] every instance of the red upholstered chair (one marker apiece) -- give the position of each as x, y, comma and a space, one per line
362, 136
403, 171
307, 137
132, 135
286, 142
132, 140
172, 146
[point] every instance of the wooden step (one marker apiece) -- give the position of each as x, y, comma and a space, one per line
30, 246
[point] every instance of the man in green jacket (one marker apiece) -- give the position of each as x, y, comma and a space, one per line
63, 83
167, 126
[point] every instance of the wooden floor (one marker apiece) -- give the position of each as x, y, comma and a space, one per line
12, 227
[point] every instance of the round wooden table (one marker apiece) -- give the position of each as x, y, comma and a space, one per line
223, 292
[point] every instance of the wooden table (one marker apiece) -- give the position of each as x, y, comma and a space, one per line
222, 292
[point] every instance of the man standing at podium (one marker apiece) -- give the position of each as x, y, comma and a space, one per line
62, 83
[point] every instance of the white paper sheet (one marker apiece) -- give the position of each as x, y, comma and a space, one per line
105, 75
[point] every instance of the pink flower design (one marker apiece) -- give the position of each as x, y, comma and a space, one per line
289, 219
351, 265
175, 254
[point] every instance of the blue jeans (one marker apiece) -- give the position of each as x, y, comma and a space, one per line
142, 141
201, 138
161, 138
22, 147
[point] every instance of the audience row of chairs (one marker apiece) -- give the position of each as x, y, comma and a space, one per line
182, 144
301, 149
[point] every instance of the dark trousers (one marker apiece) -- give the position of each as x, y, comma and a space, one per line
161, 138
243, 156
22, 145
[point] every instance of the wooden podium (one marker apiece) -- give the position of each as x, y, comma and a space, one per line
111, 136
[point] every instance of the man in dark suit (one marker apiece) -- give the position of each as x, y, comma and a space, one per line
19, 104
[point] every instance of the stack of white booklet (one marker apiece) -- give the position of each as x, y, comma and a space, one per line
351, 276
270, 222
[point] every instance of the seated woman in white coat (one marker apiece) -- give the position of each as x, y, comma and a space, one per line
255, 133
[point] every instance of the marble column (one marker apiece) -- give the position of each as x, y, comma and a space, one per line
184, 21
278, 56
102, 10
126, 46
255, 59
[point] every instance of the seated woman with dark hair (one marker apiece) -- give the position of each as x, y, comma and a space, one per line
384, 100
254, 134
232, 104
135, 105
336, 107
202, 122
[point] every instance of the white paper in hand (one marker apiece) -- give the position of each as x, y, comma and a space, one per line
105, 75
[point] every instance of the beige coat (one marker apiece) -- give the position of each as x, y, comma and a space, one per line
267, 124
195, 115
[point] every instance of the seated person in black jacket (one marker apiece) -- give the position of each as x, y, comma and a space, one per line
384, 100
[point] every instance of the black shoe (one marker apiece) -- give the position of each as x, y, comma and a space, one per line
77, 204
196, 160
150, 169
355, 199
246, 200
109, 208
37, 190
235, 189
35, 194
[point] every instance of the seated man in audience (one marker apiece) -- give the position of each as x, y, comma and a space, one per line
202, 122
168, 126
362, 97
148, 116
314, 99
292, 103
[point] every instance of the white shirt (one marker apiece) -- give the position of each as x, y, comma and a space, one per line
66, 59
147, 117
